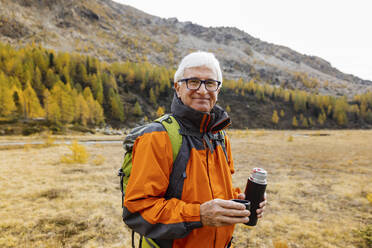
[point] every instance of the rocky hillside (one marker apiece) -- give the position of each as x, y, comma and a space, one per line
115, 32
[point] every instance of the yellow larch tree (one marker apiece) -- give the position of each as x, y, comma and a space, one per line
305, 123
7, 105
228, 109
62, 94
97, 112
152, 97
52, 109
294, 122
275, 117
160, 111
137, 110
82, 110
31, 104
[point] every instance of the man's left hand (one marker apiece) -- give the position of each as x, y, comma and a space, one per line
262, 204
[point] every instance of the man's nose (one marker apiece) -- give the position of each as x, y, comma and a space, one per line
202, 89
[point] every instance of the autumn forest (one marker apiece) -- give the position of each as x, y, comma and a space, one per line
70, 88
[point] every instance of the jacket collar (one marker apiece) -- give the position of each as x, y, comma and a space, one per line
197, 121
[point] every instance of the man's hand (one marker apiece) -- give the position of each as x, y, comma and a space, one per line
220, 212
262, 205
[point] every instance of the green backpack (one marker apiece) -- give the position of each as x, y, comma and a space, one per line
171, 126
173, 129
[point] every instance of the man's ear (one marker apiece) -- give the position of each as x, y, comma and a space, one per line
176, 88
218, 92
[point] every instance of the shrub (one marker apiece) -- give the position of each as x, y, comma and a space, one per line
369, 197
30, 130
82, 129
79, 154
57, 128
280, 244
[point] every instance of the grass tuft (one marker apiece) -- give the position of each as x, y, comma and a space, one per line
63, 226
99, 159
53, 193
365, 236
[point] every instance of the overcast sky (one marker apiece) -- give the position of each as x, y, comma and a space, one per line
339, 31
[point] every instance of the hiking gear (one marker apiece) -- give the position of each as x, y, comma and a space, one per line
171, 126
201, 172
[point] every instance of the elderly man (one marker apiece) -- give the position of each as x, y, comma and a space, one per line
203, 215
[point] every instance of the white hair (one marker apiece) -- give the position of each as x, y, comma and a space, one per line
196, 59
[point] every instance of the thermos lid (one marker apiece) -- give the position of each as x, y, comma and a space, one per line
259, 176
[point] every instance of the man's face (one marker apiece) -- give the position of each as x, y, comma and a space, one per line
201, 99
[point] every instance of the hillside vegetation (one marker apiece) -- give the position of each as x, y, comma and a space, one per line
63, 88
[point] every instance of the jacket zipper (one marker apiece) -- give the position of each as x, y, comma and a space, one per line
210, 186
204, 128
209, 178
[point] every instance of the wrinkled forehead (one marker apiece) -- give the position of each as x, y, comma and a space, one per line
201, 72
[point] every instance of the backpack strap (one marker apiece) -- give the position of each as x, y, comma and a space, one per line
149, 243
223, 143
180, 160
178, 174
220, 137
172, 127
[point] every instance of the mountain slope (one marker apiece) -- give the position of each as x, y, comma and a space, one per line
115, 32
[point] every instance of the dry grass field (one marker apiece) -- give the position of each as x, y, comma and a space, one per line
317, 192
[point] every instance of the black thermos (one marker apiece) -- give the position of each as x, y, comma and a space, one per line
254, 192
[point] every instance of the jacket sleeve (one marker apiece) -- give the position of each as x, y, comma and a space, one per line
237, 190
146, 210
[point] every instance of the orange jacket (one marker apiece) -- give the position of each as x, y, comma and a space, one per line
176, 222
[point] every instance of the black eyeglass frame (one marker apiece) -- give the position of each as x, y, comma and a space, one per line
186, 80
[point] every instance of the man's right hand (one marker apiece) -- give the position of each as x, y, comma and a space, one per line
220, 212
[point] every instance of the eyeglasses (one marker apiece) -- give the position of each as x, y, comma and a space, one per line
195, 83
